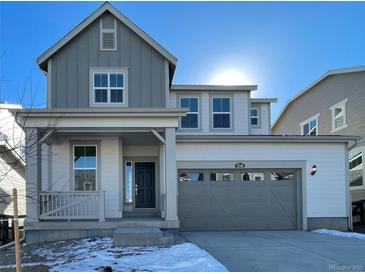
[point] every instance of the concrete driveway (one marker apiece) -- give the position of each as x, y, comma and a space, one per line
281, 250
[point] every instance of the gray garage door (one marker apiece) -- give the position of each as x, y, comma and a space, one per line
237, 200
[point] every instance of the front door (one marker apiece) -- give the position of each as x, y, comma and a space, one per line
145, 185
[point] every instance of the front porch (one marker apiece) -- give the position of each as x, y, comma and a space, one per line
98, 178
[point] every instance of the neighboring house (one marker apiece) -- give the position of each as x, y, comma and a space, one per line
332, 105
12, 169
119, 145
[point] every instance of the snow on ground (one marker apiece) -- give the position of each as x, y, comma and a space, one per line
340, 233
93, 254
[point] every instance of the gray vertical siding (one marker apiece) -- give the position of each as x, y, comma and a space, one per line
320, 98
70, 68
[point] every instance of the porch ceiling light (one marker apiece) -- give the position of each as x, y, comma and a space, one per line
313, 170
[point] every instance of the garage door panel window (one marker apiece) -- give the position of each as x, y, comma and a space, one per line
191, 177
222, 177
282, 176
252, 176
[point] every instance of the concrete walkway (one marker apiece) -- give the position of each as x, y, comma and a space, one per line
281, 250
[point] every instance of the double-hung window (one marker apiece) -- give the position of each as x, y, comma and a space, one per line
191, 120
310, 126
84, 167
108, 87
255, 116
339, 115
221, 112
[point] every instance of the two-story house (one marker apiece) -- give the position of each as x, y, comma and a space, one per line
332, 105
120, 145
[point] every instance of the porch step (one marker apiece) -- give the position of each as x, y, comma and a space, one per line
141, 214
141, 236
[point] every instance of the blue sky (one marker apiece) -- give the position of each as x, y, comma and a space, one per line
280, 46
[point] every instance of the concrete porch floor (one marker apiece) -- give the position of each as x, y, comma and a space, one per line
281, 250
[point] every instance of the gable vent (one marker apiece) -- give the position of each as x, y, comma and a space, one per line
108, 35
108, 40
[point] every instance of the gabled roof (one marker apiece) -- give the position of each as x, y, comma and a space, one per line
91, 18
327, 74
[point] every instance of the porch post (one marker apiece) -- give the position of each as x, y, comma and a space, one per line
171, 175
32, 173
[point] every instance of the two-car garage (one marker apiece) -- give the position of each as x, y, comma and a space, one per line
238, 199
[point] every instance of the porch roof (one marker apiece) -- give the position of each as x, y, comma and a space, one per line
100, 117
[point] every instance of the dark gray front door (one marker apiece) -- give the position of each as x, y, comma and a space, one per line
145, 185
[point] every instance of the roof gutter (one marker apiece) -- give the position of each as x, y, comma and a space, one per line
265, 139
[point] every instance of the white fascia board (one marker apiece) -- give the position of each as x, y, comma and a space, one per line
263, 100
188, 88
101, 122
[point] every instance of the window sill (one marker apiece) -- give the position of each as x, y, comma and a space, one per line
108, 105
338, 129
357, 187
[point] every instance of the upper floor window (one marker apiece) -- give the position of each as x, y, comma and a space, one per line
108, 87
191, 120
221, 112
310, 126
255, 116
339, 115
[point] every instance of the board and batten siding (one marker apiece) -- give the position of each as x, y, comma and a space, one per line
69, 68
320, 98
326, 191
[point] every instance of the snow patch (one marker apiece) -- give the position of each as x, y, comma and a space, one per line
340, 233
93, 254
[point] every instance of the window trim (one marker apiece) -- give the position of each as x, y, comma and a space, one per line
108, 71
230, 113
113, 30
342, 104
351, 158
189, 112
73, 166
258, 116
314, 117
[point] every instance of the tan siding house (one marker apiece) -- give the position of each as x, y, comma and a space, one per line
335, 104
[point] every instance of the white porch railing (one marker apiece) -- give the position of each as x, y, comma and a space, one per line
72, 205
